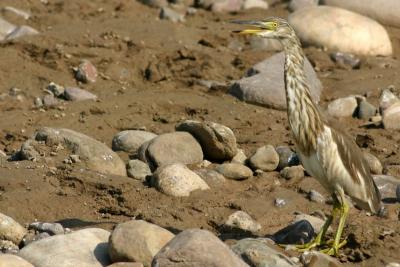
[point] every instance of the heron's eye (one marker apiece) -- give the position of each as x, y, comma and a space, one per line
275, 25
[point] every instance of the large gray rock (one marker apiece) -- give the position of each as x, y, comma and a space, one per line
9, 260
137, 241
95, 154
265, 158
259, 252
340, 30
384, 11
11, 230
177, 180
83, 248
265, 84
196, 248
169, 148
130, 140
217, 141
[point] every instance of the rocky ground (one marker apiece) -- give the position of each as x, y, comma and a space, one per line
121, 110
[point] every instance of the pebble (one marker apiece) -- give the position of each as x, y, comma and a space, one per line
177, 180
138, 170
391, 117
299, 4
265, 158
260, 252
28, 151
366, 110
234, 171
222, 6
240, 157
87, 247
316, 196
195, 247
131, 140
293, 172
300, 232
169, 148
217, 141
318, 259
264, 84
315, 222
211, 177
77, 94
287, 157
96, 155
11, 230
86, 72
172, 15
387, 186
137, 241
9, 260
374, 163
56, 89
50, 228
346, 60
387, 99
343, 107
242, 220
384, 11
50, 101
280, 202
261, 4
327, 27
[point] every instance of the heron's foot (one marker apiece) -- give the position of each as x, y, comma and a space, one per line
333, 250
316, 242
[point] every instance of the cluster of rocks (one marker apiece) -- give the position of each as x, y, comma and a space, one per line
9, 31
138, 243
388, 113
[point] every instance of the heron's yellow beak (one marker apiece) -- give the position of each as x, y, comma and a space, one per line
258, 26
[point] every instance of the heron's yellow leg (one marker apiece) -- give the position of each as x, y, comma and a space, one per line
318, 240
334, 249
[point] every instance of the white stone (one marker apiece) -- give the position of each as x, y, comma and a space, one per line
342, 107
341, 30
242, 220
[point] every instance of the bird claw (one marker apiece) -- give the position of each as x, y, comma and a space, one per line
334, 249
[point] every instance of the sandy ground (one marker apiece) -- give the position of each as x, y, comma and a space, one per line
124, 38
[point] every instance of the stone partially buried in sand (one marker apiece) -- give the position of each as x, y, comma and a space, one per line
243, 221
96, 155
77, 94
195, 247
137, 241
265, 83
341, 30
234, 171
265, 158
83, 248
131, 140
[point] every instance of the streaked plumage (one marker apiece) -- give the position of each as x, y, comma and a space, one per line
328, 154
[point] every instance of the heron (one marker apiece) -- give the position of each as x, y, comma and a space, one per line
327, 153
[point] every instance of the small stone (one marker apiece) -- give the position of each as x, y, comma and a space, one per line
50, 228
77, 94
299, 4
346, 59
318, 259
261, 4
195, 247
9, 260
240, 157
11, 230
86, 72
138, 170
342, 107
316, 196
222, 6
243, 221
287, 157
131, 140
56, 89
234, 171
366, 110
316, 222
217, 141
374, 163
300, 232
387, 186
211, 177
387, 99
293, 172
28, 151
38, 102
137, 241
260, 252
50, 101
279, 202
177, 180
265, 158
75, 158
391, 117
172, 15
21, 31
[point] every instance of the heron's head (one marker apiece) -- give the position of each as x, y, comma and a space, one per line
272, 27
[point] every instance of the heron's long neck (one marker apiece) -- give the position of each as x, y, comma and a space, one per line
304, 117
